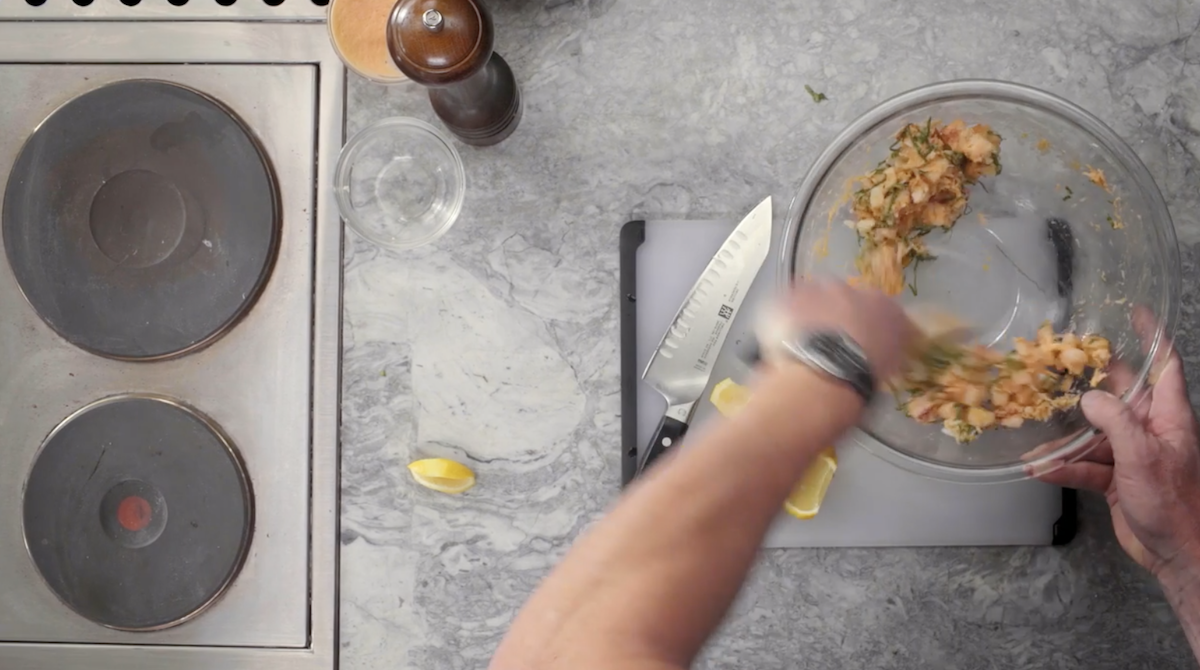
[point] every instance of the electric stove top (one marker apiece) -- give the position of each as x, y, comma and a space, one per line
170, 290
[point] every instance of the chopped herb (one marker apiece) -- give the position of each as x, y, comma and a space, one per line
996, 162
940, 355
817, 97
383, 373
913, 287
1111, 222
957, 158
1068, 195
889, 216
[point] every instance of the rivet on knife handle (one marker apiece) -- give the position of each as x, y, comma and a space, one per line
669, 433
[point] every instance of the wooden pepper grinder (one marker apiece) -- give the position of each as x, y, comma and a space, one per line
446, 45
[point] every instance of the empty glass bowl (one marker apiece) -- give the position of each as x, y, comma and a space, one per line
1040, 242
400, 183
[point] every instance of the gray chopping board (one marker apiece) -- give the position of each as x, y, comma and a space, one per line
870, 502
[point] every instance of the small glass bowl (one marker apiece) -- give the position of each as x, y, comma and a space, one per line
400, 183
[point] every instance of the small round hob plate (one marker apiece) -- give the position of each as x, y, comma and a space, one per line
141, 220
138, 512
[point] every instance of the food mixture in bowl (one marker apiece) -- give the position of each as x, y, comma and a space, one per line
922, 187
1045, 243
919, 187
969, 389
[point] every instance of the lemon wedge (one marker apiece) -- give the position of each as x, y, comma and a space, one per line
729, 397
442, 474
806, 497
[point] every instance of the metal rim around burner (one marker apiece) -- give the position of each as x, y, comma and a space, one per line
138, 512
141, 220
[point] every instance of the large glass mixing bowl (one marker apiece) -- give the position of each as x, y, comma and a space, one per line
1039, 242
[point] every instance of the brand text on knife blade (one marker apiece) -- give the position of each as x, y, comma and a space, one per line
702, 364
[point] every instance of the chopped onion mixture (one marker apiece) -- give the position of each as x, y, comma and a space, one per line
970, 389
920, 187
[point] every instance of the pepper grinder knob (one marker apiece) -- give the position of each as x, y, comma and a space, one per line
446, 45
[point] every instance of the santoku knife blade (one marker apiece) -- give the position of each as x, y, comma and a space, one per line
681, 367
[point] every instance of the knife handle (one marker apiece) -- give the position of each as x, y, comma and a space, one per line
668, 434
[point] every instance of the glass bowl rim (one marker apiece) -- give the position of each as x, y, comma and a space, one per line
355, 146
1163, 229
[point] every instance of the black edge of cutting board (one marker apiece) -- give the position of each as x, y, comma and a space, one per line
633, 234
1067, 524
1059, 232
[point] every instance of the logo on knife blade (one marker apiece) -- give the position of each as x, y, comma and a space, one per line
726, 312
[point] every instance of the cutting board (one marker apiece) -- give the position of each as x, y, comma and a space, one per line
870, 503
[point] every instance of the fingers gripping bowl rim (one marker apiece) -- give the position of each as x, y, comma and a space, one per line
987, 266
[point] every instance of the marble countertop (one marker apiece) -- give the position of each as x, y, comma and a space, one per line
498, 345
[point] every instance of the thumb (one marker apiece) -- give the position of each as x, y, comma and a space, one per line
1110, 414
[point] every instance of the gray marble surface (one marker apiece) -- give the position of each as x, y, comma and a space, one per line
498, 345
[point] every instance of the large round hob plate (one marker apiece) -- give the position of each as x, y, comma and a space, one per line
138, 512
141, 220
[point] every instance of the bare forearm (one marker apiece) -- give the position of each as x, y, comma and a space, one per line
651, 581
1182, 589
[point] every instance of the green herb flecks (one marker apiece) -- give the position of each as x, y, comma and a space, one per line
925, 147
940, 355
889, 216
1069, 193
816, 96
919, 255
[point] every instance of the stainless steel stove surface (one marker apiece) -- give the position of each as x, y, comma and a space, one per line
169, 336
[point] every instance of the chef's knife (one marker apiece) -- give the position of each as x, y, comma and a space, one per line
682, 365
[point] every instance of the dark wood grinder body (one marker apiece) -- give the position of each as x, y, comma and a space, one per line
446, 45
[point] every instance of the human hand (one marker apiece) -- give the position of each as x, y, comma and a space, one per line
874, 321
1147, 464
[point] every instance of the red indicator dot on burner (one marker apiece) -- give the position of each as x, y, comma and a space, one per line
133, 513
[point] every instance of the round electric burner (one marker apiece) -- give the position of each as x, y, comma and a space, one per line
138, 512
141, 220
